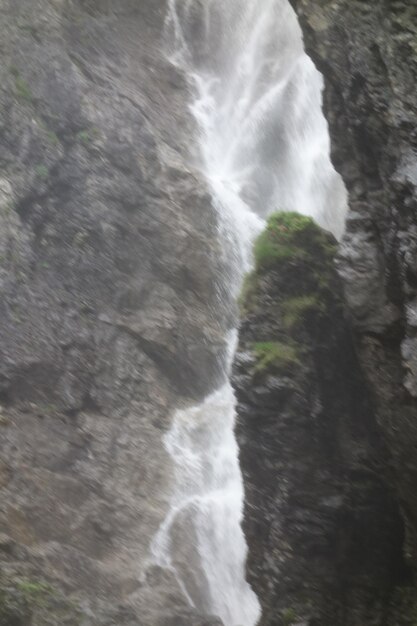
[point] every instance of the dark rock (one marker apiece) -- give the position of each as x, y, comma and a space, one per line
108, 276
367, 54
323, 524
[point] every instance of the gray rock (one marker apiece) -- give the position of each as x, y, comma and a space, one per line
368, 57
367, 54
108, 269
324, 529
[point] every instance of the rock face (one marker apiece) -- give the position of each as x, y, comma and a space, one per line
367, 412
368, 55
108, 251
324, 528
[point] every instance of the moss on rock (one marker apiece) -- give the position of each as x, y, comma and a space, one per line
275, 356
302, 253
293, 291
291, 236
25, 602
295, 310
304, 412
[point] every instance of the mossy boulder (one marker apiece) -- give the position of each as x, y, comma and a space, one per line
291, 237
323, 526
293, 290
294, 246
275, 356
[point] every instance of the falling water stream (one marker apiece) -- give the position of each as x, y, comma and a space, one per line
264, 147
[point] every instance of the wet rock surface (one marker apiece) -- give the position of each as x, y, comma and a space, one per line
322, 519
368, 56
108, 253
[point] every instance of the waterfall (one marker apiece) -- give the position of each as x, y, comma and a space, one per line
263, 147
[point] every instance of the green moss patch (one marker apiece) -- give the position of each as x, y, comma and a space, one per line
88, 135
296, 310
275, 356
28, 601
22, 89
289, 616
33, 591
300, 254
247, 295
291, 236
52, 137
42, 171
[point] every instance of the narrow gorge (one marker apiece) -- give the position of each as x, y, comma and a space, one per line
207, 345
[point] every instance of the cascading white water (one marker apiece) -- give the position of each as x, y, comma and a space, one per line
264, 147
201, 539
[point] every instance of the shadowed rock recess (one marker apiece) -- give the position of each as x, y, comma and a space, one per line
108, 253
367, 534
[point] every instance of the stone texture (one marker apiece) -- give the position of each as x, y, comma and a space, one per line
108, 253
323, 525
368, 55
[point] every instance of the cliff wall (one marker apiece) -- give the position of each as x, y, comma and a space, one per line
367, 54
324, 527
108, 251
329, 449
